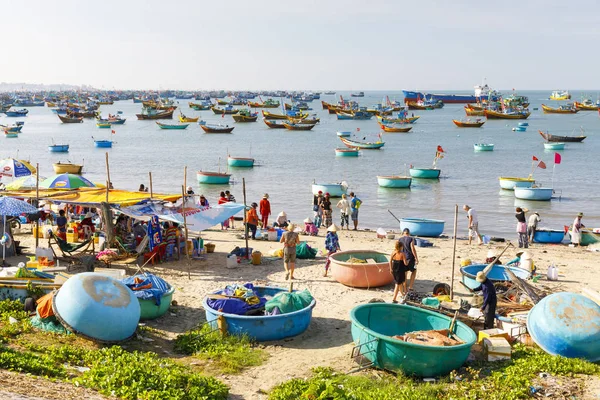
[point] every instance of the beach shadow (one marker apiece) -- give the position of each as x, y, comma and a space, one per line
179, 319
322, 333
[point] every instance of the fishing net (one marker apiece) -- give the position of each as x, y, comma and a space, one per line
288, 302
304, 251
49, 324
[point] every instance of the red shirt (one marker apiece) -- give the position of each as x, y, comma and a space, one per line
265, 207
252, 217
223, 200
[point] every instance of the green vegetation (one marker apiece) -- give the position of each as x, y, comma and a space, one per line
229, 354
506, 380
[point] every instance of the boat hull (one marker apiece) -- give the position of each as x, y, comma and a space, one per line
375, 324
425, 173
240, 162
58, 148
509, 183
468, 124
213, 178
498, 115
554, 146
483, 147
446, 98
422, 226
396, 182
67, 168
361, 275
346, 152
548, 236
535, 194
334, 189
149, 309
103, 143
496, 274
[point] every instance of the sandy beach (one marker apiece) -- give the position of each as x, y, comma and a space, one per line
328, 342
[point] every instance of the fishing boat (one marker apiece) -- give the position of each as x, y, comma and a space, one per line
227, 110
269, 103
425, 173
354, 144
496, 274
58, 148
260, 328
399, 120
373, 327
343, 115
555, 138
170, 126
359, 94
155, 114
245, 116
344, 134
200, 106
213, 178
562, 109
471, 112
212, 128
346, 152
424, 104
103, 125
510, 182
103, 143
423, 226
67, 168
82, 113
588, 236
11, 128
586, 105
20, 288
17, 113
533, 193
560, 95
394, 181
553, 236
517, 114
314, 120
240, 162
273, 124
70, 120
292, 114
334, 189
184, 119
351, 268
519, 129
483, 147
298, 127
478, 123
11, 135
554, 146
394, 128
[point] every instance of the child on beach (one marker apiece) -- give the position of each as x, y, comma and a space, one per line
398, 263
332, 244
310, 228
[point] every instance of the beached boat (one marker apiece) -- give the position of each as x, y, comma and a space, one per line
469, 124
563, 109
103, 125
334, 189
298, 127
553, 236
240, 162
170, 126
518, 114
346, 152
395, 128
425, 173
560, 95
588, 236
586, 105
70, 120
245, 116
183, 119
261, 327
362, 145
103, 143
533, 193
361, 268
67, 168
555, 138
228, 110
483, 147
394, 181
496, 274
554, 146
155, 114
20, 288
423, 226
213, 178
374, 326
510, 182
273, 124
212, 128
58, 148
17, 113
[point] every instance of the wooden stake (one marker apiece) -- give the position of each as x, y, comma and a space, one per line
107, 177
185, 177
150, 177
37, 202
185, 229
246, 230
454, 252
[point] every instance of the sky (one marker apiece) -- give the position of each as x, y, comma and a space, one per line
302, 45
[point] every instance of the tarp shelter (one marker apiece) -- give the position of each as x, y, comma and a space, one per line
93, 197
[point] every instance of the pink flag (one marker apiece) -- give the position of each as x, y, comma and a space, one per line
557, 158
542, 165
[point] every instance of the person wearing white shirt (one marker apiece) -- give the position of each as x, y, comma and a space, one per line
473, 224
532, 223
344, 206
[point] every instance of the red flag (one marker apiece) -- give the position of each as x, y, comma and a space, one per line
557, 158
113, 132
535, 158
439, 149
542, 165
357, 129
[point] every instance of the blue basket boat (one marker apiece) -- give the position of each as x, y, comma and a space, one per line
496, 274
58, 148
375, 324
346, 152
240, 162
554, 236
213, 178
396, 182
103, 143
344, 134
483, 147
263, 328
425, 173
533, 193
423, 226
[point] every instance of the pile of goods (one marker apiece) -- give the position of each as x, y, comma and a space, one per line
430, 338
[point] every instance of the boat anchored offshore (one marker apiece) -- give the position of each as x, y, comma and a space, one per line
346, 152
240, 162
394, 181
213, 178
510, 182
334, 189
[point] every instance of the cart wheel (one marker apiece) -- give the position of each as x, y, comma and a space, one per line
29, 305
441, 289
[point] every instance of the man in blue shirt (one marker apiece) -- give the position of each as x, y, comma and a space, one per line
354, 206
488, 307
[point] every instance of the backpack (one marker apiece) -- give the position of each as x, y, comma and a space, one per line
358, 203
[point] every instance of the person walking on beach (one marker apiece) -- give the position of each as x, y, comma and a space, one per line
522, 227
317, 199
490, 300
576, 230
289, 239
344, 206
408, 246
473, 224
355, 204
265, 210
252, 220
326, 208
231, 199
532, 223
398, 264
332, 244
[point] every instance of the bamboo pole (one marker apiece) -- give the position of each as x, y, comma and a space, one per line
150, 176
107, 177
454, 252
245, 219
185, 229
37, 202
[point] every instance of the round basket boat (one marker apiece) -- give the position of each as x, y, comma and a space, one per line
263, 327
149, 309
423, 226
370, 274
549, 236
374, 324
496, 274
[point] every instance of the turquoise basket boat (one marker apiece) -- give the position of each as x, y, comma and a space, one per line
346, 152
533, 193
425, 173
334, 189
511, 182
548, 236
423, 226
263, 327
483, 147
240, 162
344, 134
554, 146
566, 324
213, 178
149, 309
373, 326
497, 274
58, 148
396, 182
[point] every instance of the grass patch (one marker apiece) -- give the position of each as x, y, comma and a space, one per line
494, 381
229, 354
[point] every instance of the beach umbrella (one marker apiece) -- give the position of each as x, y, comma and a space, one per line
12, 207
13, 168
66, 181
24, 182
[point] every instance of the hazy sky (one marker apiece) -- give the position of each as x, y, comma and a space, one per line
306, 44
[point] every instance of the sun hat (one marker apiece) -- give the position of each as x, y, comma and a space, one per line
282, 214
291, 227
88, 215
189, 189
526, 255
480, 277
266, 196
320, 192
327, 194
491, 254
580, 215
308, 221
332, 228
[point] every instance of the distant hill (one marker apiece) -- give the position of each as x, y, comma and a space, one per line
34, 87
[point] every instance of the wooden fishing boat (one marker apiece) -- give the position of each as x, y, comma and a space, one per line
159, 105
475, 107
423, 226
222, 102
83, 114
11, 128
568, 109
510, 182
154, 114
425, 173
240, 162
112, 120
483, 147
245, 116
554, 138
362, 145
213, 178
269, 115
469, 124
346, 152
273, 124
521, 114
394, 181
58, 148
229, 110
586, 107
184, 119
335, 109
313, 120
394, 128
298, 127
17, 113
560, 95
199, 106
407, 120
474, 113
67, 168
211, 128
426, 105
169, 126
325, 105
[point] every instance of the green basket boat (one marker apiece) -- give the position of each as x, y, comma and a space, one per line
149, 309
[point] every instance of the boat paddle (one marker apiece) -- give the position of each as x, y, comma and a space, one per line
394, 216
